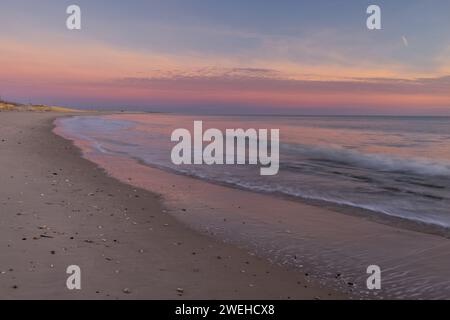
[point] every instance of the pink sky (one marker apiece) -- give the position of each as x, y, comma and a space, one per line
284, 73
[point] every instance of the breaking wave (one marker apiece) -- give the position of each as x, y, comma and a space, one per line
379, 162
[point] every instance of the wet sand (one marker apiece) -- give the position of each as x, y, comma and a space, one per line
58, 209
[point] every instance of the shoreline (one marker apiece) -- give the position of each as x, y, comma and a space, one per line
332, 245
378, 216
59, 209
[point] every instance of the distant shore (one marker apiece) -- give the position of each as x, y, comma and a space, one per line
58, 209
18, 107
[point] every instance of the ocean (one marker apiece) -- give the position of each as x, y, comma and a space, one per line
393, 166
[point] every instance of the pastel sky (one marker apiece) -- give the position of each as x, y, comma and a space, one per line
250, 56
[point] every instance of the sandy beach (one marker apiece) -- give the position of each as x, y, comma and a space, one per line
58, 209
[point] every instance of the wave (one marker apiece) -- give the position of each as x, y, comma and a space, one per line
380, 162
315, 196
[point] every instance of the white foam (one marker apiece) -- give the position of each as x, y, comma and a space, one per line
376, 161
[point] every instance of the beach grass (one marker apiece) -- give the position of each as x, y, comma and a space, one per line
12, 106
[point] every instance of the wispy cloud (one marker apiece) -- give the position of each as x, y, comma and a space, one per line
247, 79
405, 41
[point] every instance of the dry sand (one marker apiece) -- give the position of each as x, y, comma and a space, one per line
58, 209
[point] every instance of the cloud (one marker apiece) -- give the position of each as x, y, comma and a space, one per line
92, 73
268, 80
405, 41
